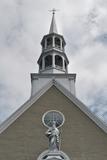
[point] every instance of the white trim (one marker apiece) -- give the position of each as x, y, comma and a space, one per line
23, 108
83, 107
33, 99
58, 75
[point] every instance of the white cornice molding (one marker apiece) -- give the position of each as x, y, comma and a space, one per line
49, 75
70, 96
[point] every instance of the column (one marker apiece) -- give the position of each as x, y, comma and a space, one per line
43, 63
53, 60
45, 43
53, 41
61, 44
63, 63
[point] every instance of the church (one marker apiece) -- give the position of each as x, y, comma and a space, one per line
53, 124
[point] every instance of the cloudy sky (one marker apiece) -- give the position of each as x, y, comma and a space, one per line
84, 26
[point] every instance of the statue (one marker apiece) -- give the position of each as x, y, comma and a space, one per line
53, 135
53, 120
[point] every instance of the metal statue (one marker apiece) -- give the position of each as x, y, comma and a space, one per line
53, 120
53, 135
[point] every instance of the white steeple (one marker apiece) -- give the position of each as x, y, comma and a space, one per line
53, 27
53, 58
53, 62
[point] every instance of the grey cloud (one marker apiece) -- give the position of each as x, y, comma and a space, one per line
22, 26
102, 38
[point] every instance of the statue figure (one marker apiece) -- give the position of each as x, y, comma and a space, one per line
53, 135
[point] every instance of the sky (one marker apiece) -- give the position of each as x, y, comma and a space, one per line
83, 23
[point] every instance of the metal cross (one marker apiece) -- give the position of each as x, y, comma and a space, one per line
53, 10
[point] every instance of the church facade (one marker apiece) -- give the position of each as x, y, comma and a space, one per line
53, 123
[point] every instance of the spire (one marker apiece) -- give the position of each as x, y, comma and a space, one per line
53, 28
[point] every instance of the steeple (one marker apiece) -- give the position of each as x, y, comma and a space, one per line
53, 27
53, 62
53, 58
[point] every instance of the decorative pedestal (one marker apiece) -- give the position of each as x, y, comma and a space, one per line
53, 155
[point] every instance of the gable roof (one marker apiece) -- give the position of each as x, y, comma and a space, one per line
70, 96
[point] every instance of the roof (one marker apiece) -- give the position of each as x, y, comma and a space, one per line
70, 96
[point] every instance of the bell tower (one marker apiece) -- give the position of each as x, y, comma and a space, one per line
53, 62
53, 58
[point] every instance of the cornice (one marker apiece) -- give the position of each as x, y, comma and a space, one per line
53, 76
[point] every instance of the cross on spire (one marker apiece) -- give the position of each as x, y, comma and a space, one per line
53, 10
